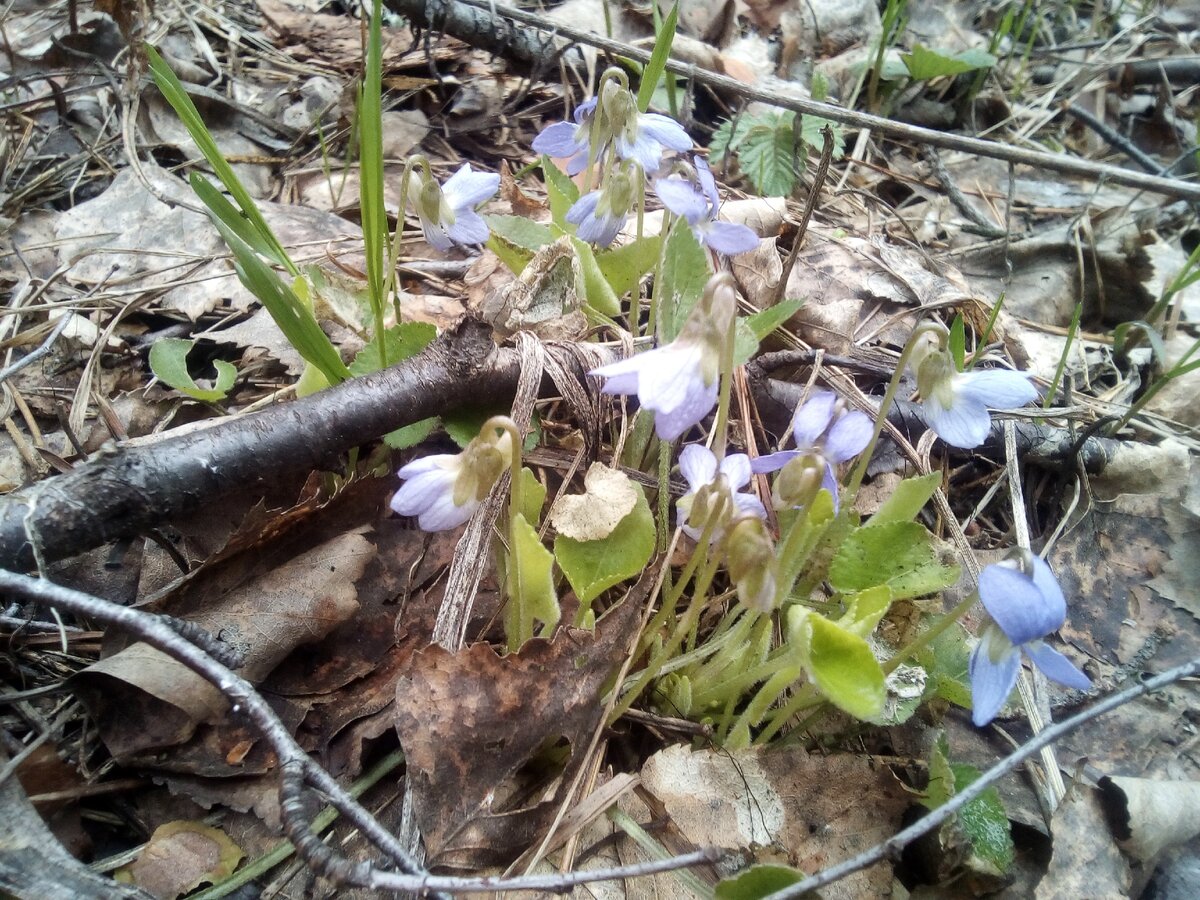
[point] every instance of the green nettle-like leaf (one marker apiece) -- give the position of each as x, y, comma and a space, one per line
924, 64
764, 322
168, 361
403, 341
685, 271
561, 192
625, 266
757, 881
599, 293
985, 822
592, 567
411, 435
767, 157
530, 584
908, 499
811, 132
520, 231
901, 555
842, 666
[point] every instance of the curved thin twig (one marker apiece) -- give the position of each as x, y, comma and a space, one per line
892, 847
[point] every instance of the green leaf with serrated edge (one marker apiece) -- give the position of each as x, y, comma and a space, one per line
658, 59
592, 567
757, 881
865, 609
767, 157
985, 822
530, 584
520, 231
293, 316
598, 292
730, 133
411, 435
404, 341
764, 322
685, 272
940, 787
840, 663
957, 342
464, 423
168, 361
923, 64
907, 499
625, 266
533, 496
561, 192
812, 133
901, 555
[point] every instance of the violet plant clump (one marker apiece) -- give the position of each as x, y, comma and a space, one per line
447, 212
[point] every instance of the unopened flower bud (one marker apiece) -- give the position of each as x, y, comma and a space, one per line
750, 560
798, 482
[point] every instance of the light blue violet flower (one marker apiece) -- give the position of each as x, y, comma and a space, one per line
611, 120
562, 140
602, 214
678, 382
697, 202
447, 212
956, 403
1025, 606
822, 427
699, 466
444, 490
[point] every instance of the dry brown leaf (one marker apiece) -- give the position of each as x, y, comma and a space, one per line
142, 698
469, 722
1086, 861
1150, 816
780, 800
179, 857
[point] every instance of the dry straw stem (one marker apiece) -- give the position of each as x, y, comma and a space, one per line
465, 19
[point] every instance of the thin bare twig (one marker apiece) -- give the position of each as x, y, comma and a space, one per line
818, 183
891, 848
1053, 162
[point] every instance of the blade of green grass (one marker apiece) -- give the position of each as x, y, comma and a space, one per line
172, 89
370, 158
658, 59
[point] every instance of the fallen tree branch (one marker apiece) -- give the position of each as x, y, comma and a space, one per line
446, 14
892, 847
136, 487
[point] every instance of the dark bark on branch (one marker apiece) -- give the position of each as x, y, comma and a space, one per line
133, 489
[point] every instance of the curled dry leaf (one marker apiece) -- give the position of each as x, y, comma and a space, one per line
179, 857
143, 698
591, 516
1148, 816
1086, 861
469, 722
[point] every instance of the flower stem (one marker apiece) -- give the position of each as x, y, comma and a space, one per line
930, 634
860, 470
389, 284
721, 426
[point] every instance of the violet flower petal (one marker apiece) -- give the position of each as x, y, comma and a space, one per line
848, 436
991, 682
1057, 667
1014, 601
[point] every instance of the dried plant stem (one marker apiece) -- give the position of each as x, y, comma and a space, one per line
892, 847
802, 229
